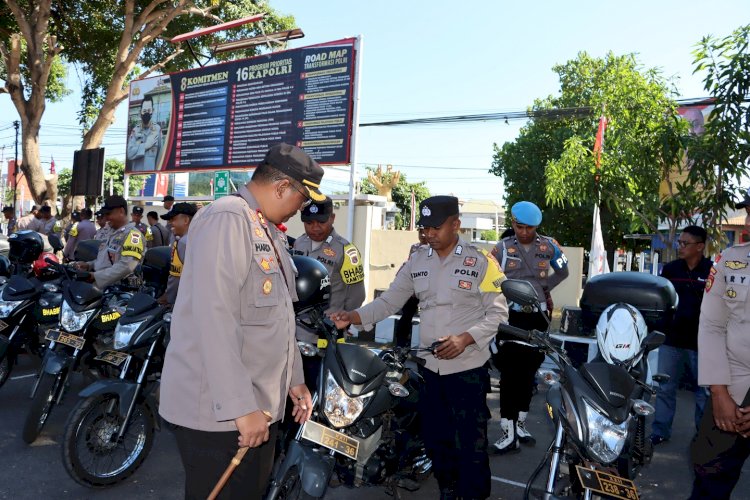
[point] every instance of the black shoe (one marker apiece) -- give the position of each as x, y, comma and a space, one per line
655, 439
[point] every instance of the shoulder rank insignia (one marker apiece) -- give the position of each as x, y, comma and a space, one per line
735, 264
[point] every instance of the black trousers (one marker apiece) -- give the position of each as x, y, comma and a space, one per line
454, 418
403, 325
518, 364
718, 458
206, 455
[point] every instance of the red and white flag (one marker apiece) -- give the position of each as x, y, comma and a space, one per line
52, 165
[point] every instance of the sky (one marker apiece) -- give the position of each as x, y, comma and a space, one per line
435, 58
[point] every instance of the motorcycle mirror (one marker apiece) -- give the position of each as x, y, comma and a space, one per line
55, 242
519, 291
653, 340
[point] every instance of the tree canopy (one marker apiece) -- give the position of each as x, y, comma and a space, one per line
401, 195
552, 162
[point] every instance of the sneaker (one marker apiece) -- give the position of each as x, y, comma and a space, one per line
523, 434
655, 439
508, 442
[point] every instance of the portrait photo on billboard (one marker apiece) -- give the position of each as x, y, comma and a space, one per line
149, 117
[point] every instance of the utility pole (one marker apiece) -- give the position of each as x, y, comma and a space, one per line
16, 125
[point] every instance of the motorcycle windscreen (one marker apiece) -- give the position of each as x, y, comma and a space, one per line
356, 369
611, 382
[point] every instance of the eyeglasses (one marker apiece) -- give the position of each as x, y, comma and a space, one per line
683, 243
308, 200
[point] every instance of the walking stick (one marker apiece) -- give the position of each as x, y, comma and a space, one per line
233, 465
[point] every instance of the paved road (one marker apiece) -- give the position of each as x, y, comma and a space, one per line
33, 472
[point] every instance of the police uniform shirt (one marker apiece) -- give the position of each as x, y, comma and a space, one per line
159, 236
460, 293
344, 265
103, 233
80, 231
11, 226
533, 265
119, 256
724, 329
25, 222
143, 146
179, 249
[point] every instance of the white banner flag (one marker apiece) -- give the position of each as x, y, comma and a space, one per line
598, 255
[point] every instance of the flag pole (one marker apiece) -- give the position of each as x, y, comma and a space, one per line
597, 256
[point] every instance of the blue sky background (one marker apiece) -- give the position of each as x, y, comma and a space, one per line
441, 58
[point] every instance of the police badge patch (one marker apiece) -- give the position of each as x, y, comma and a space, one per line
464, 285
329, 252
426, 211
313, 209
470, 261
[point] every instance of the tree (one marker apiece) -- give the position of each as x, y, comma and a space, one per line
112, 42
488, 235
33, 73
644, 139
720, 157
401, 196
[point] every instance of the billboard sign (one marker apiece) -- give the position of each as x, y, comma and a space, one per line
226, 116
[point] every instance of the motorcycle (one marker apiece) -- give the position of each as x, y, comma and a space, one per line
110, 432
29, 303
87, 322
364, 424
599, 411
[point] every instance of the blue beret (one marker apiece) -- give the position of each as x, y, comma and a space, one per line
525, 212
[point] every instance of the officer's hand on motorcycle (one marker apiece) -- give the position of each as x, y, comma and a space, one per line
253, 429
453, 345
342, 319
81, 266
162, 301
300, 396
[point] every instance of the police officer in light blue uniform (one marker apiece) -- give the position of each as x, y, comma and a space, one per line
539, 260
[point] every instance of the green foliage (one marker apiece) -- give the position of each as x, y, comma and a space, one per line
488, 235
720, 157
552, 163
91, 33
57, 82
401, 196
64, 177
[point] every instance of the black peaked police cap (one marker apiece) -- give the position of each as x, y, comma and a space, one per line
320, 212
298, 165
112, 202
434, 210
180, 208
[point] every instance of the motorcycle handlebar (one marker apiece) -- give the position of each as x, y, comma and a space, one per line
519, 333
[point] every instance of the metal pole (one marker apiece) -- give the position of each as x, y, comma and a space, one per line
355, 124
16, 125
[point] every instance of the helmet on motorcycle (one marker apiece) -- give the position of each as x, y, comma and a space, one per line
619, 334
4, 266
40, 266
313, 284
25, 246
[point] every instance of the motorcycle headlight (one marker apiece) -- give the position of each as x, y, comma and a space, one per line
7, 306
72, 321
340, 409
606, 438
123, 333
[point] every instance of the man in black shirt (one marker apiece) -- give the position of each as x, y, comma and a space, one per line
680, 350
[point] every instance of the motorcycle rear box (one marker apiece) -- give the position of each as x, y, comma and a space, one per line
653, 296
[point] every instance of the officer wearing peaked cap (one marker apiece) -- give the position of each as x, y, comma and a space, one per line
532, 257
341, 259
458, 287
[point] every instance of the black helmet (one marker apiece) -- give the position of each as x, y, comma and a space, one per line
313, 284
25, 246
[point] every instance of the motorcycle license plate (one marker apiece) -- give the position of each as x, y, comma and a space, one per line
115, 358
609, 484
333, 440
68, 339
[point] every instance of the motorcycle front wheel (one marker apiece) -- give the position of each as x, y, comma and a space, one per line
41, 405
5, 368
91, 452
289, 488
